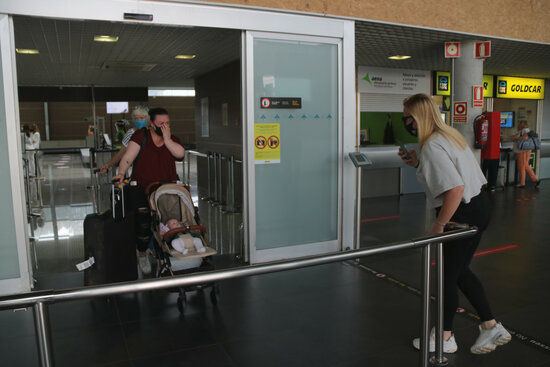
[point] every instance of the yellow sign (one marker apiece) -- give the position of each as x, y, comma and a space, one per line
520, 88
488, 86
442, 83
267, 143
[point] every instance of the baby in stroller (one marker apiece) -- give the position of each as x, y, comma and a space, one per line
183, 242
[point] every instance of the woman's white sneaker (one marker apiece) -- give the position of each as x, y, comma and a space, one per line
449, 346
489, 339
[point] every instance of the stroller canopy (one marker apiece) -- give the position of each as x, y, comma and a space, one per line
173, 201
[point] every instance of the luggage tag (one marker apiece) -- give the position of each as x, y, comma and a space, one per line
85, 264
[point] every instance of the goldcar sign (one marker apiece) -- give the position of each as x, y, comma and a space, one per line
520, 88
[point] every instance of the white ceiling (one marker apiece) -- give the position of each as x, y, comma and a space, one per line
69, 56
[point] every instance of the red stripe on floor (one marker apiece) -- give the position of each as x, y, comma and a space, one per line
495, 250
379, 218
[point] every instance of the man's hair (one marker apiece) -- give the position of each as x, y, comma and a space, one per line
153, 112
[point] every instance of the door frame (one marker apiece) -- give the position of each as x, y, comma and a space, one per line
8, 86
259, 256
175, 13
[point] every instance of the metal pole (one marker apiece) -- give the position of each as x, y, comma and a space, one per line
425, 335
438, 359
96, 141
208, 175
220, 179
46, 121
28, 299
451, 115
27, 186
358, 209
43, 335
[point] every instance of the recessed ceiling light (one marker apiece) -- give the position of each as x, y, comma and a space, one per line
27, 51
399, 57
105, 38
185, 57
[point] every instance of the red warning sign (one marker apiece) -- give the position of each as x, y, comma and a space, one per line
452, 49
273, 142
460, 115
260, 142
477, 96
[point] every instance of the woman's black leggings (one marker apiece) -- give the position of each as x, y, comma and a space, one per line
138, 203
457, 256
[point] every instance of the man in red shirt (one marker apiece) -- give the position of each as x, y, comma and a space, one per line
156, 161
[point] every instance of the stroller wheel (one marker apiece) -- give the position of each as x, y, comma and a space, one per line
213, 296
181, 303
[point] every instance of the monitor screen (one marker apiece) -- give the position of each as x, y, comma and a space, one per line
507, 119
117, 107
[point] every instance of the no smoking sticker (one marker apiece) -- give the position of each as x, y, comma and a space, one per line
260, 142
273, 143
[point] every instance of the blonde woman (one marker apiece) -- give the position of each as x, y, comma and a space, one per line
522, 156
453, 181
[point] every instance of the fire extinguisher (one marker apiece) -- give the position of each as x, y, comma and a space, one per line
481, 131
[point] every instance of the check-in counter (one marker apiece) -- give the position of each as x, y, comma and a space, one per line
545, 159
388, 175
508, 160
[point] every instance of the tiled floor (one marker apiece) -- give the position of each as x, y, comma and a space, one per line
334, 315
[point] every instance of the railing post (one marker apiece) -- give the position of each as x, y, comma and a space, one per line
43, 335
425, 335
438, 359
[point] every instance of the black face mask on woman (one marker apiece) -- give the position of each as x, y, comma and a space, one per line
411, 129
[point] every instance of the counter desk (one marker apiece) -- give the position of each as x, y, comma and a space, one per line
387, 175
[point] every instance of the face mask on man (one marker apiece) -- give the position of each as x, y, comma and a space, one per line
140, 124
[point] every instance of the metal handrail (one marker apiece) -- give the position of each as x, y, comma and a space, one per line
39, 300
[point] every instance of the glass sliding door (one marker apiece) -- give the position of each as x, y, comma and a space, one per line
293, 136
14, 264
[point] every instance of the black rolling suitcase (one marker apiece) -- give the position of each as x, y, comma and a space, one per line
111, 242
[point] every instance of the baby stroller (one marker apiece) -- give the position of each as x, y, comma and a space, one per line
172, 201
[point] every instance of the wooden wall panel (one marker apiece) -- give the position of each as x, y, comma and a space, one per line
513, 19
182, 115
32, 113
70, 120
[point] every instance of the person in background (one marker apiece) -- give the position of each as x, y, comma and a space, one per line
35, 136
32, 143
140, 116
156, 163
453, 181
522, 156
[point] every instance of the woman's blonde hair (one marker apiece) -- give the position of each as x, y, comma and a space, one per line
428, 119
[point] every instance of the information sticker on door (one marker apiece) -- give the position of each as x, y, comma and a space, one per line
267, 143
